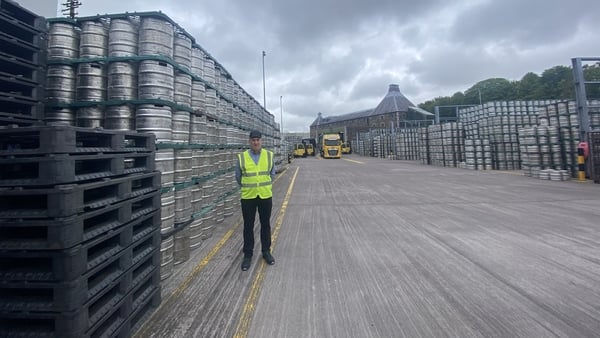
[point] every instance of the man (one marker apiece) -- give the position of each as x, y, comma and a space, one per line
255, 174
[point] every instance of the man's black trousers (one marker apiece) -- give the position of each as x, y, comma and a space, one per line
249, 208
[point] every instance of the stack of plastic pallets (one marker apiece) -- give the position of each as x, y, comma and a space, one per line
22, 65
79, 231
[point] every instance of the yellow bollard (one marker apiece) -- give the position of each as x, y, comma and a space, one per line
581, 163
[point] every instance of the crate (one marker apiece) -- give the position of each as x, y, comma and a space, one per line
72, 140
57, 169
63, 233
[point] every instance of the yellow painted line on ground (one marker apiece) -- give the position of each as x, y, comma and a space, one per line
250, 304
174, 296
355, 161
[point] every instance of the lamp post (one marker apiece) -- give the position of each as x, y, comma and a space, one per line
281, 112
264, 89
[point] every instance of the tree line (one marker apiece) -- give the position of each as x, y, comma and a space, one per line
555, 83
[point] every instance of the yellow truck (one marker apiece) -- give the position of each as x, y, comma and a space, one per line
331, 145
299, 150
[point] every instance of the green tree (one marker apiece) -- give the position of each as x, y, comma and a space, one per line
529, 88
557, 83
592, 73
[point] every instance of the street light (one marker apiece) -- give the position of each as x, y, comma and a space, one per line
264, 90
281, 112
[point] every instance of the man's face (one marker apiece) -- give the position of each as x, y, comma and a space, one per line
255, 144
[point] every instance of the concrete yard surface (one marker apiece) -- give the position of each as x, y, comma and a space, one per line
369, 247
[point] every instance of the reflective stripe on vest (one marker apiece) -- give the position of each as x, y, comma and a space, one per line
256, 178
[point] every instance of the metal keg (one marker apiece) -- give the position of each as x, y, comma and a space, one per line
208, 194
182, 50
198, 129
120, 117
197, 196
166, 258
183, 205
183, 165
211, 131
156, 119
90, 117
122, 81
196, 236
181, 246
167, 212
91, 82
198, 96
122, 38
209, 70
165, 163
229, 206
60, 83
63, 41
155, 80
93, 39
219, 214
181, 127
183, 89
155, 37
197, 61
59, 116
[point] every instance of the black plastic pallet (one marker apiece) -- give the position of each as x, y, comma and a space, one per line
23, 108
144, 301
20, 30
62, 233
46, 170
104, 315
21, 88
118, 321
123, 267
63, 265
30, 52
72, 140
10, 66
12, 120
71, 199
13, 10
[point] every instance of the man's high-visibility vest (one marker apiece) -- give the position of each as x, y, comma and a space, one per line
256, 178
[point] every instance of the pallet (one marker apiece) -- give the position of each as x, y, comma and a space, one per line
59, 169
43, 140
37, 295
108, 314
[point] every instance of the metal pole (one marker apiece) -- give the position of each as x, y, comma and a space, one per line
281, 112
264, 90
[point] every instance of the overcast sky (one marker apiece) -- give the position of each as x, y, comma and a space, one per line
337, 57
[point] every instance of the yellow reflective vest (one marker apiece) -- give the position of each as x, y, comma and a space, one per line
256, 178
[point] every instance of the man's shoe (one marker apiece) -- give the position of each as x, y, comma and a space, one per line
268, 258
246, 263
